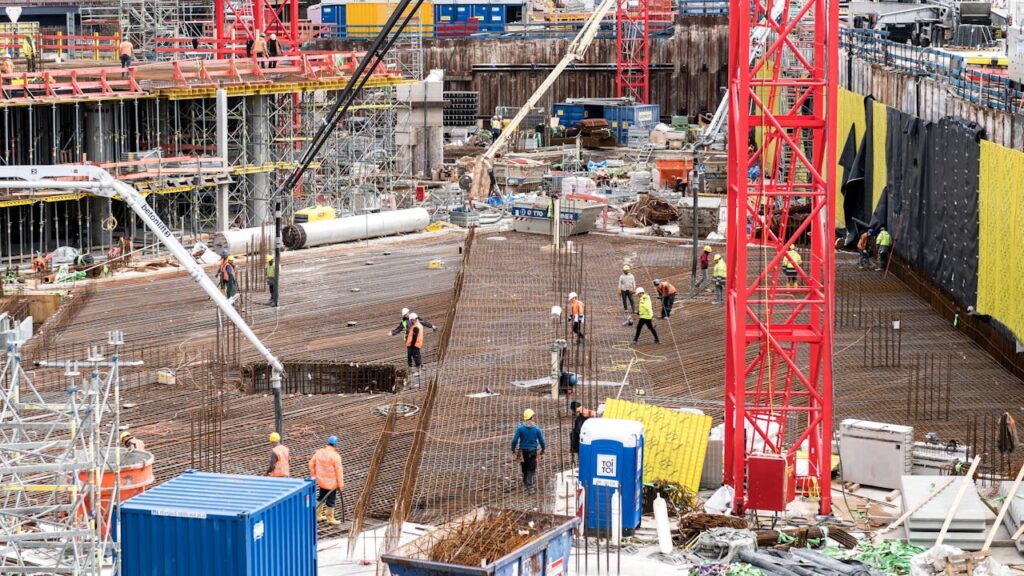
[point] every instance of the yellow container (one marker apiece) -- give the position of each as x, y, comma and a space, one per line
364, 19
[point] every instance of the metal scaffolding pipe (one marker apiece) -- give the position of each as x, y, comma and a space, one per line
309, 234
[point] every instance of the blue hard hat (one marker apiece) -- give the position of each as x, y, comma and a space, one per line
572, 379
332, 440
223, 253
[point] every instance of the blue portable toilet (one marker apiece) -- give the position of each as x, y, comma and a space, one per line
612, 459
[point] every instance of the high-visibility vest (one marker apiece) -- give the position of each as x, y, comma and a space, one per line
417, 330
884, 239
666, 289
282, 469
325, 466
577, 308
270, 270
786, 264
226, 270
644, 309
719, 271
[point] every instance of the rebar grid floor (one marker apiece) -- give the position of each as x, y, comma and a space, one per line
501, 333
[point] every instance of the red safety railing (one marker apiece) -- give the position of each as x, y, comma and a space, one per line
49, 85
64, 46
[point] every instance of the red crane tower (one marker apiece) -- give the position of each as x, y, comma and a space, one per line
783, 70
633, 21
238, 20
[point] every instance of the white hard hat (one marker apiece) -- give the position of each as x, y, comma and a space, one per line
572, 295
640, 290
405, 311
273, 36
413, 316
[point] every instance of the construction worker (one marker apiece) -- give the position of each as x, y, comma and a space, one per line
580, 415
39, 263
864, 247
126, 51
667, 295
28, 51
527, 444
273, 50
259, 49
7, 67
884, 242
325, 467
413, 344
577, 312
131, 442
279, 458
789, 266
403, 324
495, 126
645, 310
227, 277
271, 280
718, 276
705, 257
627, 284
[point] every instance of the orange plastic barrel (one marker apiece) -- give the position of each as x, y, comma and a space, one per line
136, 475
670, 169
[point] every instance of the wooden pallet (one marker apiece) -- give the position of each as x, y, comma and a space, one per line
964, 564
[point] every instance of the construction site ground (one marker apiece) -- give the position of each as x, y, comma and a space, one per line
500, 336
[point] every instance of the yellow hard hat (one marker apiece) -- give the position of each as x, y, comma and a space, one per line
270, 257
125, 435
527, 414
718, 256
625, 268
275, 437
707, 248
792, 247
231, 258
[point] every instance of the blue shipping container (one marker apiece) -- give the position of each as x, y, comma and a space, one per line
620, 118
329, 13
204, 524
492, 17
444, 13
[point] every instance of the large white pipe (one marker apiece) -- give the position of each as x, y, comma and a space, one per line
309, 234
236, 241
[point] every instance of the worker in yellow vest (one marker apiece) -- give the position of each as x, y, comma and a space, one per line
280, 458
790, 263
718, 277
884, 243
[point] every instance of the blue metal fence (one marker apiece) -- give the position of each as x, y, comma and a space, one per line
973, 85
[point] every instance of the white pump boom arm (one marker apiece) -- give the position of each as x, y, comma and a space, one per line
578, 47
100, 183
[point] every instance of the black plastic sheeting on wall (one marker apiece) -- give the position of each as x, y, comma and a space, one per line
930, 203
858, 171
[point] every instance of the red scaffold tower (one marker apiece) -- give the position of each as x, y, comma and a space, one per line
238, 21
783, 70
634, 20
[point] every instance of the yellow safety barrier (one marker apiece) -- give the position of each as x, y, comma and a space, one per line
675, 443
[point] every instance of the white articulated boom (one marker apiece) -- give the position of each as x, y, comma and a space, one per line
99, 182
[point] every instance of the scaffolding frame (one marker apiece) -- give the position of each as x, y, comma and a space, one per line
55, 449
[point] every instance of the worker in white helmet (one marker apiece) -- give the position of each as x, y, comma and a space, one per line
577, 312
403, 324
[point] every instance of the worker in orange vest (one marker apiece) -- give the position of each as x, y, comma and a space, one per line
577, 313
126, 51
8, 65
39, 263
325, 466
667, 295
259, 48
226, 275
414, 343
279, 458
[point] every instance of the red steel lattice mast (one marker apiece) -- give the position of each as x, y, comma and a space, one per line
238, 21
783, 70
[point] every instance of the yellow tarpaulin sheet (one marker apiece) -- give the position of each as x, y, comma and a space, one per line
879, 121
675, 443
1000, 236
851, 117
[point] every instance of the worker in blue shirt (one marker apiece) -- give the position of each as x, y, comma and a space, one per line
528, 443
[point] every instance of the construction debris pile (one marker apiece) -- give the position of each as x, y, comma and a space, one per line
476, 541
647, 210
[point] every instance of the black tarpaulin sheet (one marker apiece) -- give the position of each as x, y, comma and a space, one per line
931, 199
